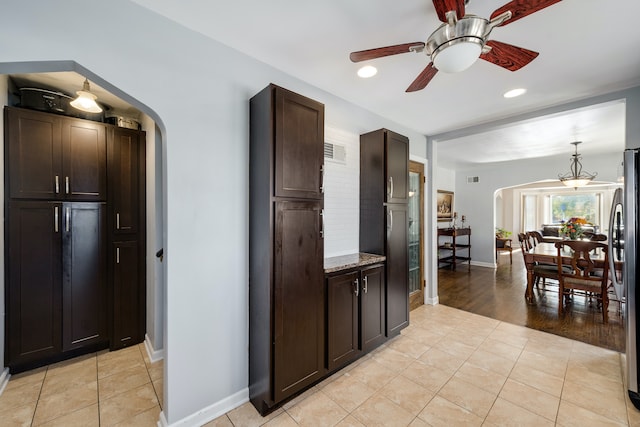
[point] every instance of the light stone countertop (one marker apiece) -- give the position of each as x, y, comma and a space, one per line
345, 262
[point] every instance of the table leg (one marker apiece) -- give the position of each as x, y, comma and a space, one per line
528, 293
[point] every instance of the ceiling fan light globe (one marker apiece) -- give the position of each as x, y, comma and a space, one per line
457, 56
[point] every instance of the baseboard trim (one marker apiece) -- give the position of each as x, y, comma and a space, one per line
209, 413
432, 301
483, 264
154, 355
4, 379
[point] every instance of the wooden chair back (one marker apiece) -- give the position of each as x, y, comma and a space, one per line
584, 275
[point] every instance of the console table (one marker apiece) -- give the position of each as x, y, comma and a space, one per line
452, 251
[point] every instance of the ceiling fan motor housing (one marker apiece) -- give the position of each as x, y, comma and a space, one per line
471, 30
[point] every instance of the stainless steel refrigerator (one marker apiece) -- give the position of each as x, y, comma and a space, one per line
624, 247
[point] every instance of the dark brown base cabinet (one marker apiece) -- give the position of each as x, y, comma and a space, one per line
74, 255
355, 314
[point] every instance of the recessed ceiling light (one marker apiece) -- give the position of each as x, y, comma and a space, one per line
514, 92
367, 71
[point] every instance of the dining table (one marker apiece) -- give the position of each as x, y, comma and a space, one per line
547, 253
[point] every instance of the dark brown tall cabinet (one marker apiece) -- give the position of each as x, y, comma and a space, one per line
384, 223
59, 296
286, 276
127, 237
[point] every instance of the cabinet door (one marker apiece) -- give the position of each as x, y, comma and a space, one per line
126, 173
299, 145
397, 268
34, 155
34, 288
128, 296
397, 158
84, 296
298, 297
84, 157
343, 318
373, 307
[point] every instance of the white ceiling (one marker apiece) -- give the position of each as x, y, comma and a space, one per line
586, 48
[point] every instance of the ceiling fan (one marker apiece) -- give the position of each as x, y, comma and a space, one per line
461, 39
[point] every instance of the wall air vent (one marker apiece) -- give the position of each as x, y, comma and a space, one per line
335, 152
472, 179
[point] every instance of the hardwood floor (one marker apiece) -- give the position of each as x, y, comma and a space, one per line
499, 294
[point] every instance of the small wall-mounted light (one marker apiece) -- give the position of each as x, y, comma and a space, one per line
86, 101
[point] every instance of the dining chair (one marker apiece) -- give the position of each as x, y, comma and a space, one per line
540, 271
596, 237
584, 275
536, 236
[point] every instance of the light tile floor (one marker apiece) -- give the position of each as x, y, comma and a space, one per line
101, 389
448, 368
453, 368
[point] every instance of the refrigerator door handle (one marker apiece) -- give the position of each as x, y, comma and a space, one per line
614, 218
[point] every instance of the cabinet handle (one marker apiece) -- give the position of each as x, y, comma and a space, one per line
322, 223
356, 288
57, 184
364, 284
117, 221
322, 179
66, 184
117, 255
67, 219
390, 223
55, 219
391, 186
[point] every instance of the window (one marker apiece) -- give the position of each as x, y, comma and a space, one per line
582, 205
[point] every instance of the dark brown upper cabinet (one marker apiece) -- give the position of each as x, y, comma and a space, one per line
298, 123
126, 180
55, 157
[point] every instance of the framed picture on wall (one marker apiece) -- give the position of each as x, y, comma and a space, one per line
444, 205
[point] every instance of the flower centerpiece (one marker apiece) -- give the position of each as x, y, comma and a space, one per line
573, 228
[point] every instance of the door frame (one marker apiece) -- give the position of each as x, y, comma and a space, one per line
416, 299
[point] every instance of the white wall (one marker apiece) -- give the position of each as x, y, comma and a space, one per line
197, 91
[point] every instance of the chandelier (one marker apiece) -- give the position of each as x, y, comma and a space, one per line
576, 177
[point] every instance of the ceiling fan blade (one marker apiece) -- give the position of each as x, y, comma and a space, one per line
379, 52
521, 8
508, 56
444, 6
423, 78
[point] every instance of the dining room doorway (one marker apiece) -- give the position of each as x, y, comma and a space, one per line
416, 235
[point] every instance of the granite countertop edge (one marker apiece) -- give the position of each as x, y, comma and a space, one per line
344, 262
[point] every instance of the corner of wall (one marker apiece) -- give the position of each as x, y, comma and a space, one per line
4, 100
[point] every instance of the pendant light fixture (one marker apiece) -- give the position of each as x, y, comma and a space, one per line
575, 177
86, 101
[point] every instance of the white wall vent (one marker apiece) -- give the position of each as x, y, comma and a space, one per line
335, 152
472, 179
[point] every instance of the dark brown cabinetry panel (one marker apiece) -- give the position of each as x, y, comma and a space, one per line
126, 179
84, 293
34, 270
373, 307
54, 157
343, 319
397, 268
33, 147
84, 160
298, 297
286, 277
128, 301
299, 145
384, 177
